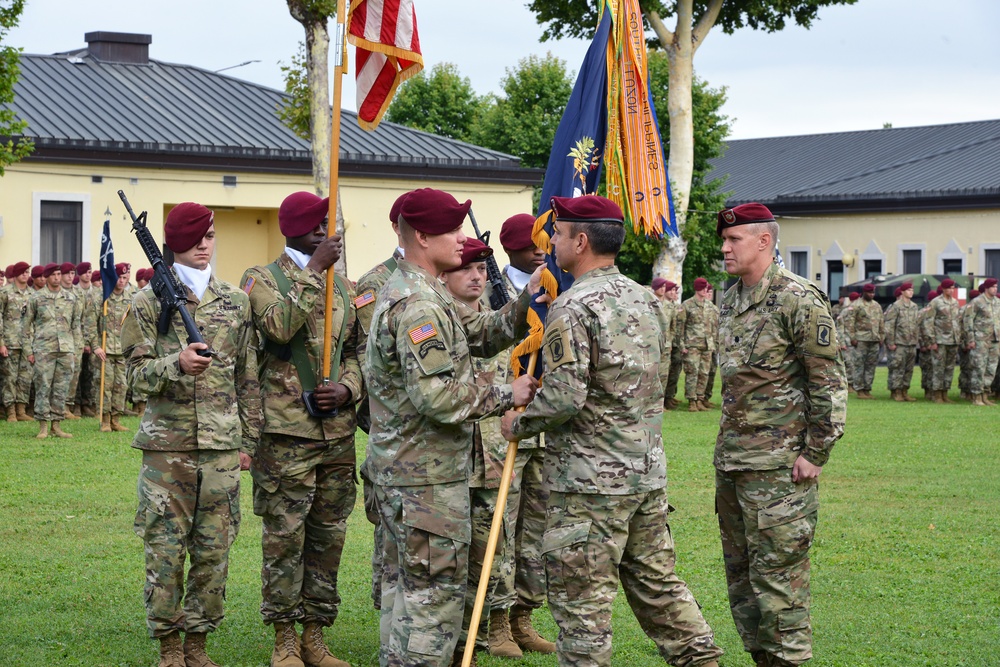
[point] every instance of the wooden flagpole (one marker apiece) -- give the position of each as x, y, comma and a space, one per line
104, 342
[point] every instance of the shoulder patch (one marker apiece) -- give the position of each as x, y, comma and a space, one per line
422, 332
821, 337
248, 285
364, 299
558, 346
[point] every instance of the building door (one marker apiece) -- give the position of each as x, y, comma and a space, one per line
992, 268
834, 278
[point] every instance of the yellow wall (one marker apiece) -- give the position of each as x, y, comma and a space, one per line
246, 215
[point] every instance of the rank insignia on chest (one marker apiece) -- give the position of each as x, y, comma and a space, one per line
248, 285
365, 298
422, 333
772, 299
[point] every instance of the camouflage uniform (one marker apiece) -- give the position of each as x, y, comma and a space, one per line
423, 392
850, 352
946, 333
698, 324
784, 395
303, 472
676, 347
865, 326
52, 316
926, 356
109, 338
189, 491
92, 312
606, 472
981, 325
17, 369
902, 330
81, 338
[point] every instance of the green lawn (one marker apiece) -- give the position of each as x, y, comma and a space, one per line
906, 566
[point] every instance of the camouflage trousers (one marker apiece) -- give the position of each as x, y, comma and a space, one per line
482, 504
189, 505
983, 359
676, 364
926, 362
710, 382
945, 358
767, 524
375, 518
851, 365
114, 384
74, 380
594, 542
866, 359
303, 491
52, 374
526, 513
696, 366
901, 362
964, 370
425, 573
16, 377
93, 384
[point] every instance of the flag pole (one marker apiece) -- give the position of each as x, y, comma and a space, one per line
491, 545
104, 342
340, 44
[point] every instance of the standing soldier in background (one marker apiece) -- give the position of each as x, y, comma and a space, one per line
926, 337
964, 367
866, 328
110, 352
303, 470
38, 280
849, 351
673, 293
698, 335
982, 329
14, 342
142, 278
200, 430
86, 395
68, 273
945, 333
784, 406
53, 317
902, 334
714, 363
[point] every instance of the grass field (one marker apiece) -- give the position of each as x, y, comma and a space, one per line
906, 565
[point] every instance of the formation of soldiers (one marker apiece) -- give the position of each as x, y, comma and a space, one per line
55, 339
938, 337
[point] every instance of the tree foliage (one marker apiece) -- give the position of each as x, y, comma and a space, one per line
295, 109
15, 147
441, 102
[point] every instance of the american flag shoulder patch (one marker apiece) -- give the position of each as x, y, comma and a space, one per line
365, 298
422, 333
248, 285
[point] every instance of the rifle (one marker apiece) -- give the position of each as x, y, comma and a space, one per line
498, 291
172, 297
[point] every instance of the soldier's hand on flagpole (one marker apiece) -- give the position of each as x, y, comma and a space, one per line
524, 389
100, 354
507, 425
331, 396
326, 254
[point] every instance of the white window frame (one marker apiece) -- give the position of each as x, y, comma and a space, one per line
871, 252
800, 248
834, 253
900, 247
983, 247
951, 252
36, 221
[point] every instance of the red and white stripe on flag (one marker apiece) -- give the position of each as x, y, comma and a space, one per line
388, 53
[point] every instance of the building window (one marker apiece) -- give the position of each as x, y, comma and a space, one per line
798, 262
873, 267
992, 262
834, 278
951, 266
913, 261
60, 230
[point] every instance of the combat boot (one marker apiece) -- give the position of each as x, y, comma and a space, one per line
58, 432
761, 658
501, 640
194, 650
75, 409
22, 414
68, 414
89, 411
287, 650
314, 650
525, 635
106, 422
672, 404
694, 406
897, 395
977, 399
171, 651
707, 404
986, 399
936, 396
116, 426
944, 397
907, 397
43, 430
11, 413
140, 409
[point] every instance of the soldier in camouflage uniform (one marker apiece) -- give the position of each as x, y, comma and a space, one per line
660, 289
902, 331
53, 317
422, 394
95, 303
865, 327
303, 471
87, 391
981, 324
109, 352
697, 322
945, 334
673, 301
601, 405
200, 430
784, 406
714, 364
849, 351
68, 272
13, 342
926, 358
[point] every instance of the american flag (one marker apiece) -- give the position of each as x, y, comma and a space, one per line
364, 299
388, 53
423, 332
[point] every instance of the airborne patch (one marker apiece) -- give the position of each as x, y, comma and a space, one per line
422, 333
365, 298
558, 346
248, 285
820, 339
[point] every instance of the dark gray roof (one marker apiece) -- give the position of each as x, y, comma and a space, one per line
913, 167
74, 101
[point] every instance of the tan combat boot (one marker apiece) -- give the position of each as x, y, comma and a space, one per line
140, 409
171, 651
287, 650
761, 658
89, 411
194, 650
525, 635
116, 425
43, 430
314, 650
106, 422
501, 640
68, 413
986, 399
694, 406
936, 396
907, 397
977, 399
58, 432
707, 404
22, 414
944, 397
11, 413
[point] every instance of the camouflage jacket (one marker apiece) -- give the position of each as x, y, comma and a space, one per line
699, 324
670, 317
420, 378
601, 401
13, 307
368, 288
902, 323
925, 326
217, 410
489, 448
109, 326
784, 387
945, 325
981, 320
53, 317
277, 319
675, 323
845, 313
90, 314
865, 323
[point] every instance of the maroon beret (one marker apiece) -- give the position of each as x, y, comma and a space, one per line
95, 277
671, 285
905, 286
140, 274
66, 267
433, 211
302, 212
868, 287
947, 283
37, 271
587, 208
973, 294
6, 272
853, 296
515, 234
744, 214
658, 282
700, 284
396, 206
896, 292
50, 269
83, 267
121, 268
989, 282
933, 294
187, 223
474, 250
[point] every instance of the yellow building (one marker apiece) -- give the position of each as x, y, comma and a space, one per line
107, 118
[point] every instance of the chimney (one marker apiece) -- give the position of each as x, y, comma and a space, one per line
119, 47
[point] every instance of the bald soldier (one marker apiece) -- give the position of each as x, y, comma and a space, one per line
784, 404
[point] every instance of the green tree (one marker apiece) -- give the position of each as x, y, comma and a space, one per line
15, 147
441, 102
294, 110
694, 19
